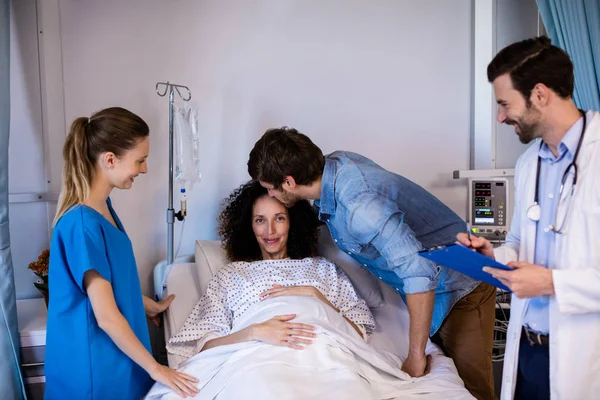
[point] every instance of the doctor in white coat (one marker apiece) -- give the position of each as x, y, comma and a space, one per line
553, 339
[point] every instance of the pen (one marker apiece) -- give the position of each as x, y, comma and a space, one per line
469, 232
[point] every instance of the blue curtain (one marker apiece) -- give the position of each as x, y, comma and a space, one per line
574, 26
11, 381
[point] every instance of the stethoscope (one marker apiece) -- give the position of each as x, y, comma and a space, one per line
535, 210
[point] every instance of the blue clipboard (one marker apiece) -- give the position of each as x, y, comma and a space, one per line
466, 261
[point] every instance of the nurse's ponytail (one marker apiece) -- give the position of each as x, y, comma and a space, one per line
114, 130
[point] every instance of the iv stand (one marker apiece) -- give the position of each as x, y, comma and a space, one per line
171, 88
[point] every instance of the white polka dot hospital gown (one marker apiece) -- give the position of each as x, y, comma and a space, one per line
237, 287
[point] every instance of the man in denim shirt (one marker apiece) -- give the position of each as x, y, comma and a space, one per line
382, 220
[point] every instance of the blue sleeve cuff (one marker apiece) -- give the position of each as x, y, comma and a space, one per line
417, 274
418, 284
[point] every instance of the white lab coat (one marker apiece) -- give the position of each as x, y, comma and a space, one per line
575, 309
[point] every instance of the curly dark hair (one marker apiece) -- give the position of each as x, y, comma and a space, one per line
235, 226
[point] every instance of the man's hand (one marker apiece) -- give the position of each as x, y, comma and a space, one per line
417, 366
526, 280
479, 244
154, 309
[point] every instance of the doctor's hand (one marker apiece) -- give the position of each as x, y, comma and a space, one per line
526, 280
181, 383
278, 331
479, 244
417, 366
153, 309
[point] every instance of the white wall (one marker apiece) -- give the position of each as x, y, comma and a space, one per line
28, 221
497, 23
516, 20
390, 79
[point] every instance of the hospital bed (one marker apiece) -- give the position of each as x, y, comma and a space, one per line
189, 276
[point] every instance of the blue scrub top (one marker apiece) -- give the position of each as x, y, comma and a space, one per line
82, 362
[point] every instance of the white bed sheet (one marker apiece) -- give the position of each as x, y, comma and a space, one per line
391, 320
338, 364
187, 282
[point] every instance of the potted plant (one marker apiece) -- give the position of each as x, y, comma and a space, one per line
40, 268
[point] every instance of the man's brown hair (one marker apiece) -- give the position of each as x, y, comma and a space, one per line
282, 152
534, 61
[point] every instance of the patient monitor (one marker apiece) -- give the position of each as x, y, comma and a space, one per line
488, 207
489, 201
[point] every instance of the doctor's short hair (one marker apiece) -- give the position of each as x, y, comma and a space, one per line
235, 226
534, 61
283, 152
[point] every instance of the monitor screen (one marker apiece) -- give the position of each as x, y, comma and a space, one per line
484, 216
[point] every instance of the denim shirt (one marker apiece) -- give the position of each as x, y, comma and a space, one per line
382, 220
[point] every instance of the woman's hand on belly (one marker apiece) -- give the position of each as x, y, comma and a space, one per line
309, 291
278, 331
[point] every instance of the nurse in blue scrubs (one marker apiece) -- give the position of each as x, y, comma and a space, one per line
97, 345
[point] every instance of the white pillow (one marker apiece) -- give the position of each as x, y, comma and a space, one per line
366, 284
210, 258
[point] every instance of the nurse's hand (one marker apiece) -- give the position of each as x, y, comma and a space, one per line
154, 309
479, 244
182, 383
